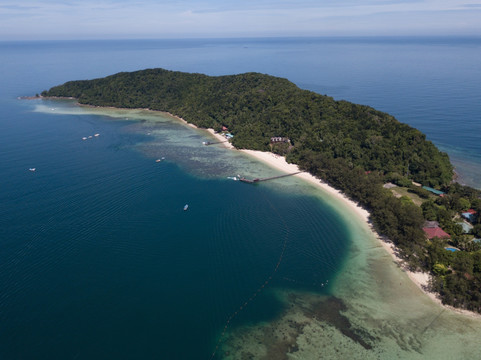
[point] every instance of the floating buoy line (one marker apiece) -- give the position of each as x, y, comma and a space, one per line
269, 278
260, 288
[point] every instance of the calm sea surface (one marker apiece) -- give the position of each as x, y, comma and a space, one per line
98, 258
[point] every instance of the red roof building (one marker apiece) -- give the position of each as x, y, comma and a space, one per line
436, 232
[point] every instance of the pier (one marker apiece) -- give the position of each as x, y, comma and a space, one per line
256, 180
207, 143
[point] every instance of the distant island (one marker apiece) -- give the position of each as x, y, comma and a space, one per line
390, 168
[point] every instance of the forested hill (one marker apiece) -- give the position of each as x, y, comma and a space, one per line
255, 107
355, 148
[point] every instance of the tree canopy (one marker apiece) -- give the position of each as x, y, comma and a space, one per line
355, 148
255, 107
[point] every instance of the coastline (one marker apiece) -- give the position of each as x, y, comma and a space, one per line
420, 279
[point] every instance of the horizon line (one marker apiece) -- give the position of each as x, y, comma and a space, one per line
445, 36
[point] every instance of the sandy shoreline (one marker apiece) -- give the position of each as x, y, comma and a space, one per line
421, 279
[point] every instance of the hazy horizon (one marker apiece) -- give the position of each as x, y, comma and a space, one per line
148, 19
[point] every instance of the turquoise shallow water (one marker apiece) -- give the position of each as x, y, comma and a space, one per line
99, 259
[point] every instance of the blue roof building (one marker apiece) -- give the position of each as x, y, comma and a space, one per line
468, 216
434, 191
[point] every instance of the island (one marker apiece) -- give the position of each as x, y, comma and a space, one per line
388, 167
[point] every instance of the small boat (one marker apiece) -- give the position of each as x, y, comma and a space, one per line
205, 142
158, 160
97, 135
186, 207
32, 169
84, 138
90, 136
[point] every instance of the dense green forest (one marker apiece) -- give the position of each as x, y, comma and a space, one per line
353, 147
256, 107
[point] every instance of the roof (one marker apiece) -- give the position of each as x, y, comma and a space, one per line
467, 215
434, 191
466, 227
436, 232
279, 139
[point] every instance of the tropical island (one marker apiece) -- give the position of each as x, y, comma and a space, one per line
388, 167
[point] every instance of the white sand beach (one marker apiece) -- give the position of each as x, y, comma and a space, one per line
371, 294
278, 162
421, 279
384, 299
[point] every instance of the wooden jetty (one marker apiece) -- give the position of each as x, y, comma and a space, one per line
256, 180
207, 143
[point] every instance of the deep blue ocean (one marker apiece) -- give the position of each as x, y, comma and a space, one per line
99, 260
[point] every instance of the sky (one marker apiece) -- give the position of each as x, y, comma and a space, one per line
122, 19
